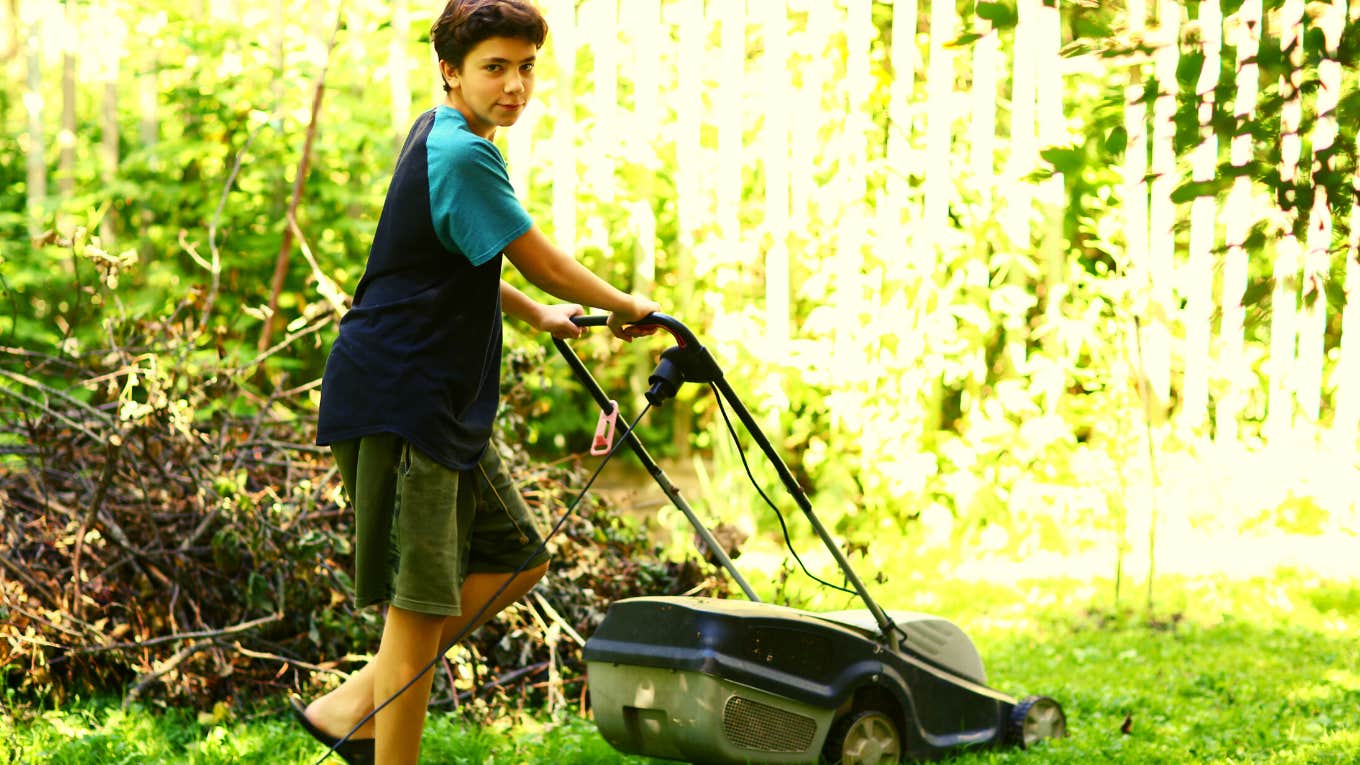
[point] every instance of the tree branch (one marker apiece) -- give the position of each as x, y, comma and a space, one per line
207, 635
112, 451
299, 183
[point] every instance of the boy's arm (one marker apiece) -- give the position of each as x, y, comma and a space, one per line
555, 319
558, 274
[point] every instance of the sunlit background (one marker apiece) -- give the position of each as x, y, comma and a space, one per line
1025, 277
1049, 305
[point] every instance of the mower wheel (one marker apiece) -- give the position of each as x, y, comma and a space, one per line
1036, 718
865, 737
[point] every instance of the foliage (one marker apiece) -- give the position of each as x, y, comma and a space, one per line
170, 530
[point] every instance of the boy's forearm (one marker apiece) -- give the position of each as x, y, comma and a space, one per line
558, 274
578, 284
518, 305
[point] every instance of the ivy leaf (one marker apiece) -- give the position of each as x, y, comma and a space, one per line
1188, 68
1258, 293
963, 41
1064, 159
1188, 191
1002, 15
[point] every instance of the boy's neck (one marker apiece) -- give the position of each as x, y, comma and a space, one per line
456, 104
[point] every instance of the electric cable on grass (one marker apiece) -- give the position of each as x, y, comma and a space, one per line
475, 617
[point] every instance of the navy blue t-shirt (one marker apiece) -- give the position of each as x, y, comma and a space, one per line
419, 352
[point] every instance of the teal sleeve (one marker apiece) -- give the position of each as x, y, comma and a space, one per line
473, 206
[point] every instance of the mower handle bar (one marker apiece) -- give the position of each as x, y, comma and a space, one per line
682, 334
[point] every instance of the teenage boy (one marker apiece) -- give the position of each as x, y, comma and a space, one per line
411, 385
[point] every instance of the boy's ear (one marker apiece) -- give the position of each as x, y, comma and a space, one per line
448, 72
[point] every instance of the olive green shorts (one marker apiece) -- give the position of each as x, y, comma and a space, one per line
421, 528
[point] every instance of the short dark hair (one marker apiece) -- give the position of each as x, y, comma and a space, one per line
466, 23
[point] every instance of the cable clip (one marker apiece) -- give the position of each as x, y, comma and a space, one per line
604, 430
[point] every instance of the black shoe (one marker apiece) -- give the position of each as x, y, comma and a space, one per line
355, 751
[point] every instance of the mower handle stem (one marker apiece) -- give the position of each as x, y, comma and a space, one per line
686, 339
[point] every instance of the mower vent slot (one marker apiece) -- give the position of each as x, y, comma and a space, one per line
760, 727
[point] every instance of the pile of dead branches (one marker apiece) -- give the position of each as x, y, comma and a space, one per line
168, 531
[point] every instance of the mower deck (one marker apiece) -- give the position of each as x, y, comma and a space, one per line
668, 673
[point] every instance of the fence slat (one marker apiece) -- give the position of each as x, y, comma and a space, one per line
1203, 228
1244, 32
1288, 254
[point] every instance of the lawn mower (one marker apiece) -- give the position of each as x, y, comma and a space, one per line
711, 680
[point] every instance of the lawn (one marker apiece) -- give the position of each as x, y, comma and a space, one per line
1227, 671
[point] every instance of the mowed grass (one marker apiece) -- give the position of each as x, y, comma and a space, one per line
1255, 671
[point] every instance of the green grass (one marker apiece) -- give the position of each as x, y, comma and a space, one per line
90, 733
1265, 672
1257, 671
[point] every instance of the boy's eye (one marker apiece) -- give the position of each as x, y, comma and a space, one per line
493, 67
529, 67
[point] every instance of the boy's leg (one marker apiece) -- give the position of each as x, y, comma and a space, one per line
506, 537
410, 640
338, 711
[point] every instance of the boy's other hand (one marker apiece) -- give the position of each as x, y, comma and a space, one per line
641, 307
556, 320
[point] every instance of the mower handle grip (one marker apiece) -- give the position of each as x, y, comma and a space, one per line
682, 334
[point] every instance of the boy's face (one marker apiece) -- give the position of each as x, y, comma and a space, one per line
494, 84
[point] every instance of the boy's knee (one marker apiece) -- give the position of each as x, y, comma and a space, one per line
413, 622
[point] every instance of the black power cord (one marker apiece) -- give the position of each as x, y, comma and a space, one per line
741, 452
618, 441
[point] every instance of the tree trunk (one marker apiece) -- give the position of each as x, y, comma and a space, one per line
148, 127
1203, 228
66, 139
109, 64
36, 178
1284, 296
1245, 35
148, 105
299, 184
1330, 19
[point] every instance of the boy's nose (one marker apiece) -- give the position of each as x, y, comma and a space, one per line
514, 83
